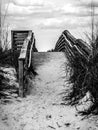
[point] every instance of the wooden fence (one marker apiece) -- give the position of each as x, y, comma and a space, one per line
72, 46
17, 37
25, 60
22, 43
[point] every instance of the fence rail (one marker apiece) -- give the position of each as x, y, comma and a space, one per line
25, 60
23, 45
72, 46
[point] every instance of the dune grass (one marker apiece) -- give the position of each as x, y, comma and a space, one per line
83, 78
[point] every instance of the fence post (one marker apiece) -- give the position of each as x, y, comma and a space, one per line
21, 77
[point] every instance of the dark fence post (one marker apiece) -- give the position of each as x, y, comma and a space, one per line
21, 77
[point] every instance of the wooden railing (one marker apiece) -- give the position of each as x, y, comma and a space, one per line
25, 60
72, 46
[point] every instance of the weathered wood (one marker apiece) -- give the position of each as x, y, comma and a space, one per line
17, 46
69, 48
69, 36
18, 43
30, 54
60, 42
24, 47
21, 76
67, 42
24, 61
84, 46
61, 48
79, 52
72, 45
21, 41
67, 53
18, 37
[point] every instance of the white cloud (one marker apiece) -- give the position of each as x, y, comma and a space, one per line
52, 21
28, 2
67, 22
34, 3
69, 8
89, 1
47, 14
44, 9
24, 7
14, 9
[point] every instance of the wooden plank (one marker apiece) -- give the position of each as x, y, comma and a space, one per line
21, 75
83, 45
19, 39
80, 52
31, 52
15, 47
62, 48
24, 47
20, 34
23, 51
21, 31
60, 42
63, 44
67, 42
18, 43
69, 36
60, 38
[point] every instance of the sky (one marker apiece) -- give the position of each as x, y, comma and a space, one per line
48, 18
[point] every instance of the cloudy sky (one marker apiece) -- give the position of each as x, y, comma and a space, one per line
48, 18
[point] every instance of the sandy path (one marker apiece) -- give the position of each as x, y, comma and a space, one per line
42, 110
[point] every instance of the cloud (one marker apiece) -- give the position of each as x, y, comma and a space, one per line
68, 23
85, 7
87, 3
30, 8
45, 9
44, 14
29, 2
13, 9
